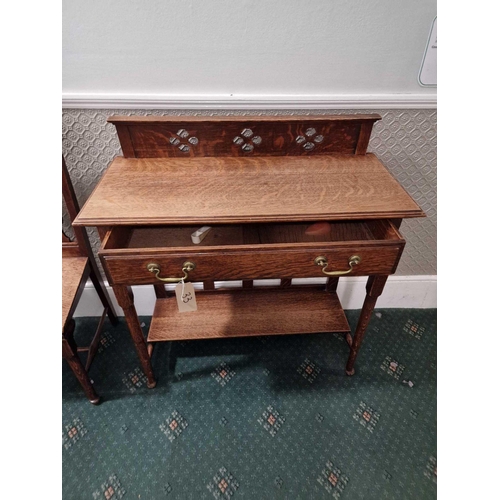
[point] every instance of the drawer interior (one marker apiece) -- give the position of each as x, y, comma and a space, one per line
130, 237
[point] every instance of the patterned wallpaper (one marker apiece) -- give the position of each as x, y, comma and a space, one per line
404, 140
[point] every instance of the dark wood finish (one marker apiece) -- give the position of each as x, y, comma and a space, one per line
180, 236
374, 289
364, 137
100, 288
211, 191
130, 239
397, 223
102, 230
296, 233
125, 119
235, 262
125, 140
332, 284
312, 286
125, 298
178, 137
160, 291
79, 370
260, 182
82, 239
94, 345
71, 250
78, 264
348, 338
242, 313
208, 285
75, 271
251, 263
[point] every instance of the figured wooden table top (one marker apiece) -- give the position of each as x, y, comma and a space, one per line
137, 191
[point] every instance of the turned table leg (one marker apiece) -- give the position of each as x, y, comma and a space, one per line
374, 288
125, 299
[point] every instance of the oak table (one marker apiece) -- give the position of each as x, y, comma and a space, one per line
259, 183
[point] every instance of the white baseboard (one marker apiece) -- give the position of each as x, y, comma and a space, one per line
408, 292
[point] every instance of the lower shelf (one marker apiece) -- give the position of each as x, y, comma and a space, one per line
244, 313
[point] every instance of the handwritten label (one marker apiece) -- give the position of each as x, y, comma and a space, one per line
186, 299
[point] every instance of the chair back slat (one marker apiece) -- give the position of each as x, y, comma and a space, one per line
73, 208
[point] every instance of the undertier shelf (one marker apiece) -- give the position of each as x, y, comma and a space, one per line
243, 313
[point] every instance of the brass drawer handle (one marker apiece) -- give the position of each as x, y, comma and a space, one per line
186, 268
354, 260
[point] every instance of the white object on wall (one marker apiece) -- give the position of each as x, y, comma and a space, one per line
428, 71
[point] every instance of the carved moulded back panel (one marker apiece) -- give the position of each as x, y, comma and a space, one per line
159, 137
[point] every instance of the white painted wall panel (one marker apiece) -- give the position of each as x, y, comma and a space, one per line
224, 47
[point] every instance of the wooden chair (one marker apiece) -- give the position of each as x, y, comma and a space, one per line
78, 264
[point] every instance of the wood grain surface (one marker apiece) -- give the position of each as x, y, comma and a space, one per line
374, 288
74, 274
80, 247
242, 190
251, 312
251, 263
260, 181
177, 136
122, 237
267, 251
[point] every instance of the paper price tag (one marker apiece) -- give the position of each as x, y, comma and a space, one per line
186, 299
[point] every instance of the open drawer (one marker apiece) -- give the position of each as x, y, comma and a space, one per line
135, 255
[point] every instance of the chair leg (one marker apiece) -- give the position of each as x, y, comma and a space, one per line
68, 335
94, 345
79, 371
103, 295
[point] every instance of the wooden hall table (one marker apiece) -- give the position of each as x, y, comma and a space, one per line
259, 183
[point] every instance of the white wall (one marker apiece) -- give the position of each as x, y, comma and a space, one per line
258, 47
408, 292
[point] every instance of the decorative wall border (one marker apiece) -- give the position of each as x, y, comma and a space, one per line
249, 101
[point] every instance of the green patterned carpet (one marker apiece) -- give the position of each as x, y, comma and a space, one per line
259, 418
